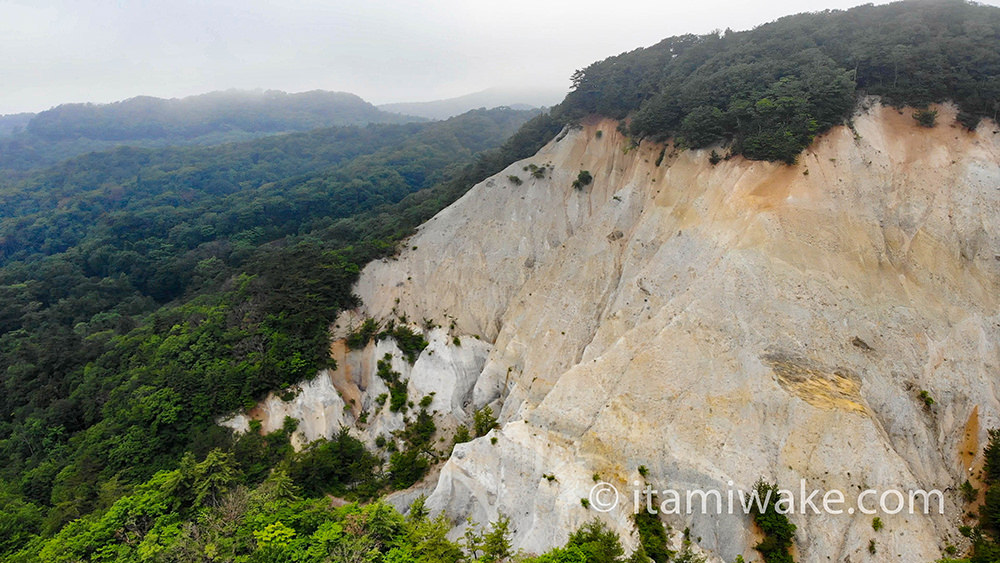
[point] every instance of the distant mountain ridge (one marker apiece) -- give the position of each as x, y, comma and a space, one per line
489, 98
146, 117
13, 123
29, 140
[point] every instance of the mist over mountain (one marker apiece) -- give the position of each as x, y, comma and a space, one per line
14, 123
522, 98
206, 119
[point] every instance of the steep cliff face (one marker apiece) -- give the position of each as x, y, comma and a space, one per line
719, 323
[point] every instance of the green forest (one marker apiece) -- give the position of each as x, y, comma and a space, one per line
767, 92
173, 277
32, 140
147, 291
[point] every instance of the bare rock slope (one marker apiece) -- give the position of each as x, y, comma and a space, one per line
718, 324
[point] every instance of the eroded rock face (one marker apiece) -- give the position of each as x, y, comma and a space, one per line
723, 323
715, 324
446, 371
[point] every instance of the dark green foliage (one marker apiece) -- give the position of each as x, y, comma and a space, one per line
985, 548
925, 117
779, 533
208, 119
419, 432
926, 398
714, 158
984, 551
409, 342
652, 535
147, 292
461, 436
969, 120
364, 334
535, 171
516, 180
582, 179
483, 421
397, 387
492, 545
406, 468
410, 465
770, 90
338, 465
969, 493
702, 126
989, 513
991, 453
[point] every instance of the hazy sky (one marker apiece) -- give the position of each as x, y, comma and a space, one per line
60, 51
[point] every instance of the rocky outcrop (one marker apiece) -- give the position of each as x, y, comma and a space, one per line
718, 324
353, 396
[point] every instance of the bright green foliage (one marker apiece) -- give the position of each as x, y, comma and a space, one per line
591, 543
275, 535
161, 520
265, 523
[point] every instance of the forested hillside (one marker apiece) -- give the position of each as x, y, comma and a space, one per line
147, 289
28, 141
769, 91
146, 292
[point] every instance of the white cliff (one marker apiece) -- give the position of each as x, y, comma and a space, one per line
714, 324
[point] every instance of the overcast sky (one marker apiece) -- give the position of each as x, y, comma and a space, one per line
59, 51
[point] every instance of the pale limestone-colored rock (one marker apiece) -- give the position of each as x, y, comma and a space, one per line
444, 370
448, 371
701, 320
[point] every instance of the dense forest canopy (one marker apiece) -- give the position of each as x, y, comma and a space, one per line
147, 291
769, 91
31, 140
